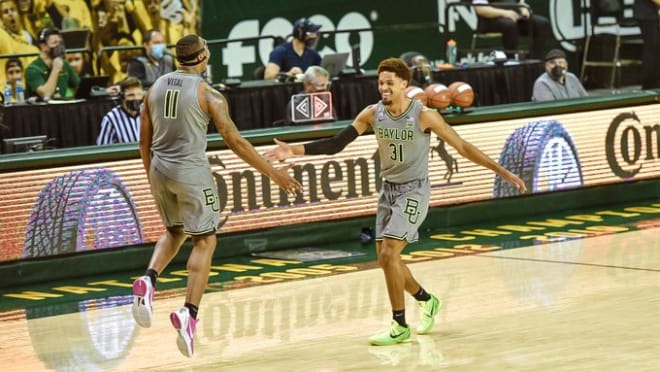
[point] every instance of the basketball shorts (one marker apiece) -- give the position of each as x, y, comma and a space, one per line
195, 206
402, 208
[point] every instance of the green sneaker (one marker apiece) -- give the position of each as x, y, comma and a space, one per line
427, 312
395, 335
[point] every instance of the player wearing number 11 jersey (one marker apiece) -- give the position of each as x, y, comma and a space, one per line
402, 128
173, 125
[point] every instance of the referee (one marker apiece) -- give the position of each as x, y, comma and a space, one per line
122, 123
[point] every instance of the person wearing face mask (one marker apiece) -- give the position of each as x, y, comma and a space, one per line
155, 62
556, 82
122, 123
297, 55
50, 75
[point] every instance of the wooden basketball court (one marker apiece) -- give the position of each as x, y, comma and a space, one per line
588, 304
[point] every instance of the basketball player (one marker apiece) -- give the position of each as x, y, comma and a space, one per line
174, 121
403, 129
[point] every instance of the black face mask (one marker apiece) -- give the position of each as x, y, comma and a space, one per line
133, 104
57, 51
557, 73
311, 42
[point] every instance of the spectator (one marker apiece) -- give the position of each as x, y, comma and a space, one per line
556, 82
421, 68
50, 75
155, 62
297, 55
11, 22
13, 37
122, 123
167, 16
80, 63
34, 17
13, 72
513, 22
316, 79
647, 15
113, 21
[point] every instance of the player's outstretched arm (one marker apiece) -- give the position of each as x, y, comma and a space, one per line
327, 146
215, 104
430, 119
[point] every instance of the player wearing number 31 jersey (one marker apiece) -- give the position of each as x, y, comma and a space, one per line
402, 128
173, 125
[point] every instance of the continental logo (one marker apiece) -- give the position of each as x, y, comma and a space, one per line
629, 144
321, 180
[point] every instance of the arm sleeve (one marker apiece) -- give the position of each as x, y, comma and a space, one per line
330, 146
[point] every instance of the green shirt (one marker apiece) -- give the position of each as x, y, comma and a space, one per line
36, 75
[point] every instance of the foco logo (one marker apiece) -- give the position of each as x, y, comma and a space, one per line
237, 54
636, 144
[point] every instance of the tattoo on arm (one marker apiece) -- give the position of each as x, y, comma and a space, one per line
219, 112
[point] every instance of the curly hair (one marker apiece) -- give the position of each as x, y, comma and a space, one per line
397, 66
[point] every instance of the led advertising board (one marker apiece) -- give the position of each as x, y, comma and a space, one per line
96, 206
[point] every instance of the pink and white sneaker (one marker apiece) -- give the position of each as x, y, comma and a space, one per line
185, 326
143, 297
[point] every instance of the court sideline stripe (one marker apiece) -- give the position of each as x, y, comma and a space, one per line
567, 262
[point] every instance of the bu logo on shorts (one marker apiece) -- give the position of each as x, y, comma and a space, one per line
412, 210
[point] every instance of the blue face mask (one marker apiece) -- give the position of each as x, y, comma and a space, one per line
157, 50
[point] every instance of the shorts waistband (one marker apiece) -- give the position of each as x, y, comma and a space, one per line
416, 183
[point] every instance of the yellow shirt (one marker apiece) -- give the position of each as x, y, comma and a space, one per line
10, 44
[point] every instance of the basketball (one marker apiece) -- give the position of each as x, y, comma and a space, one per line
417, 93
438, 95
462, 94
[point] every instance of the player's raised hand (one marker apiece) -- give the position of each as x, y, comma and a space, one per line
282, 152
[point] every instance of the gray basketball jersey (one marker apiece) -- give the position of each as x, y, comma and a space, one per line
403, 147
179, 126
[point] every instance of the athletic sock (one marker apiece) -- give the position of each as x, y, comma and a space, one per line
153, 275
192, 309
400, 317
422, 295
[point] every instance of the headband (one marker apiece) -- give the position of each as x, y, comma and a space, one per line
189, 58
